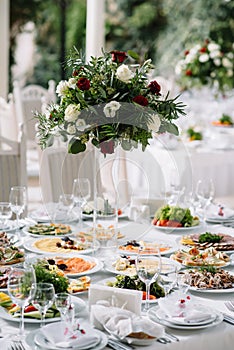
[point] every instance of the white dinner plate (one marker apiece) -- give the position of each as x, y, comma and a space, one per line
29, 245
178, 229
90, 216
11, 226
153, 315
25, 231
78, 303
171, 245
30, 340
132, 271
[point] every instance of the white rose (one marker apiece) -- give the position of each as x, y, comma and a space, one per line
80, 124
204, 58
189, 58
71, 129
215, 54
124, 74
111, 108
72, 112
154, 123
62, 88
72, 83
213, 47
194, 50
226, 62
217, 62
230, 73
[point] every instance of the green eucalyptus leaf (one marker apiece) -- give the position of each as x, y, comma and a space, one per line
133, 54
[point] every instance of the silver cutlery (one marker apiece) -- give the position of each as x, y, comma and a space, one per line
163, 340
171, 336
229, 305
117, 345
17, 346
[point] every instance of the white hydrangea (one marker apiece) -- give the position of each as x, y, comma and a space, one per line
204, 58
111, 108
72, 112
155, 123
124, 74
62, 88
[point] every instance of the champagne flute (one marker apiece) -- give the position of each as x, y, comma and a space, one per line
148, 268
81, 193
18, 202
20, 286
43, 298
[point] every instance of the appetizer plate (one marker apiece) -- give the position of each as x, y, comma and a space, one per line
33, 244
166, 247
178, 229
189, 246
108, 265
212, 291
79, 306
159, 317
71, 231
35, 338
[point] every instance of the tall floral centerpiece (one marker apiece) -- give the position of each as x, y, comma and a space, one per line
206, 64
108, 103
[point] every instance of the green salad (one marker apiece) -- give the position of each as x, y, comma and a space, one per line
178, 214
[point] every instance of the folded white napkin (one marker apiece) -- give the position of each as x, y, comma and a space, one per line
214, 212
122, 322
123, 298
180, 308
57, 335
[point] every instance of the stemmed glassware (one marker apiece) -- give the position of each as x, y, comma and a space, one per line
169, 280
205, 192
21, 289
148, 268
18, 202
64, 305
43, 298
5, 214
81, 193
65, 205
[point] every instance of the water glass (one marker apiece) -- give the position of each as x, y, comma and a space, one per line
81, 192
5, 214
21, 288
18, 201
148, 268
43, 298
65, 206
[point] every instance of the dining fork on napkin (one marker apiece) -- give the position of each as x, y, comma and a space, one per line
56, 334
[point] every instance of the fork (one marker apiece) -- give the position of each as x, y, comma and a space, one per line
230, 305
17, 346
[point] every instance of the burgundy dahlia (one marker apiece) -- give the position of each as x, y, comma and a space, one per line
118, 56
154, 87
107, 147
140, 100
83, 84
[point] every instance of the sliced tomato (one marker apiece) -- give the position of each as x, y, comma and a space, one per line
173, 223
154, 221
30, 308
120, 212
162, 222
144, 296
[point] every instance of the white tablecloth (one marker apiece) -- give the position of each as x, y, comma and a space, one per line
214, 338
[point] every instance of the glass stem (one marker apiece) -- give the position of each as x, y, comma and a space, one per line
21, 327
147, 286
43, 313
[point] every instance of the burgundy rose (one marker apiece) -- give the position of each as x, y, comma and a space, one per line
154, 87
75, 73
186, 52
107, 147
189, 73
203, 49
140, 100
83, 84
118, 56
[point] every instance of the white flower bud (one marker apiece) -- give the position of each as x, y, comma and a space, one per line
72, 112
124, 74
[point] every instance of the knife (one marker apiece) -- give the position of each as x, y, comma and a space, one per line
228, 319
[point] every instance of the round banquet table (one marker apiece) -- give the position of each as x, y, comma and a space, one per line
213, 338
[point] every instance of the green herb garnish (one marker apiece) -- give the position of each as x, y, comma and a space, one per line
209, 238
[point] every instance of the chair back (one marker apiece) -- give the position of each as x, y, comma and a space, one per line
12, 165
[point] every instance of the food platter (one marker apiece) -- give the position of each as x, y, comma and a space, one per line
49, 229
178, 230
132, 247
49, 246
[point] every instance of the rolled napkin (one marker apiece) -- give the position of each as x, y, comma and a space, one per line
57, 334
123, 323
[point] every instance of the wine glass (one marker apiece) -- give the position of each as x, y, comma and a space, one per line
43, 298
205, 191
5, 214
182, 281
148, 268
18, 202
81, 193
65, 205
168, 281
21, 288
64, 305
